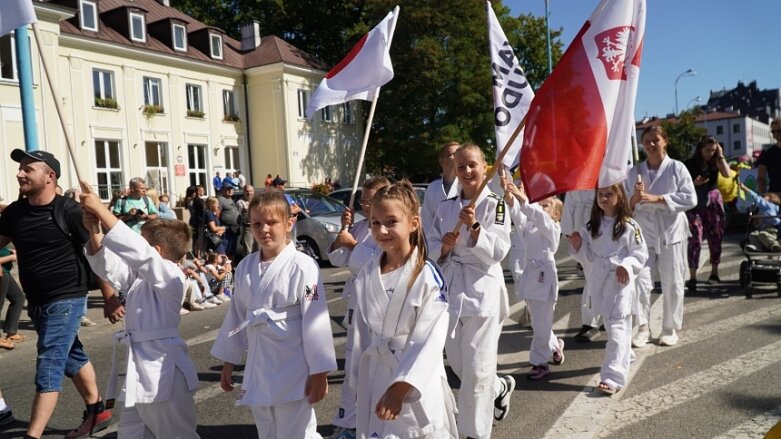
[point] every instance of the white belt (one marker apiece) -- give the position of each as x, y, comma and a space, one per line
270, 317
127, 338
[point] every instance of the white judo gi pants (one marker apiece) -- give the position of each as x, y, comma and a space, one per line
346, 416
544, 341
172, 419
587, 316
672, 265
472, 356
286, 421
618, 351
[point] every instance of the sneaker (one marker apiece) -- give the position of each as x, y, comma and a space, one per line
194, 306
539, 372
691, 285
87, 322
6, 417
641, 338
669, 338
714, 279
207, 305
223, 297
343, 433
587, 333
183, 312
95, 418
502, 402
558, 354
751, 248
579, 269
214, 300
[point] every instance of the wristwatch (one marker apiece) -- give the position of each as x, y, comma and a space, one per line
475, 226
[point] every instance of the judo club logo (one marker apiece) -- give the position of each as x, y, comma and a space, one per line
613, 47
311, 294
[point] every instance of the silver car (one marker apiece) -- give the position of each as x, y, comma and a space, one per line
343, 195
319, 221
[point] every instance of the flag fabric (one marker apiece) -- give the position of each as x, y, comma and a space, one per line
578, 130
362, 72
512, 93
14, 14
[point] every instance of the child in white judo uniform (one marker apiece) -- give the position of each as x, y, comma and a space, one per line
401, 323
160, 378
278, 317
612, 249
477, 296
538, 224
354, 249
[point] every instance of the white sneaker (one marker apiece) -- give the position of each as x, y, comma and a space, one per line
183, 312
207, 305
223, 297
195, 306
669, 338
641, 338
214, 300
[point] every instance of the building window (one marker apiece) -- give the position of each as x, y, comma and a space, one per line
137, 27
736, 145
736, 128
216, 46
719, 129
108, 169
231, 159
348, 113
229, 110
303, 100
8, 57
88, 16
157, 166
103, 88
196, 161
194, 101
152, 92
180, 38
327, 114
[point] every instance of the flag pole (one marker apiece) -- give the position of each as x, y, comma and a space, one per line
636, 155
498, 160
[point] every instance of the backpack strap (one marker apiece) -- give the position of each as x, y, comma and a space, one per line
67, 227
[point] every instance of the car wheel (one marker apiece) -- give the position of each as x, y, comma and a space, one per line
309, 248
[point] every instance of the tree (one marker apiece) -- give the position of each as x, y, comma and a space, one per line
683, 135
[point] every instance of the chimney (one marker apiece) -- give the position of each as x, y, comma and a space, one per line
250, 35
165, 2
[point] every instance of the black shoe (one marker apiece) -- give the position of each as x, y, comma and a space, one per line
587, 333
691, 285
502, 402
714, 279
6, 417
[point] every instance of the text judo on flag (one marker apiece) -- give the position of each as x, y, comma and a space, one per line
512, 93
14, 14
579, 126
362, 72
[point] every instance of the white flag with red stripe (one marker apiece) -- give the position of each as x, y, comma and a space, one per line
578, 130
364, 70
14, 14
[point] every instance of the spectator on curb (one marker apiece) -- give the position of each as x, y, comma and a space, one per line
10, 290
136, 208
217, 183
246, 243
229, 218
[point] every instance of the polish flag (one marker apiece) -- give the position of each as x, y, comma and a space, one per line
512, 93
579, 126
362, 72
14, 14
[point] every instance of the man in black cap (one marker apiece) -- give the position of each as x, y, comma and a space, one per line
55, 278
229, 217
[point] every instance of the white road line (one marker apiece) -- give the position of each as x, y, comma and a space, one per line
645, 405
755, 427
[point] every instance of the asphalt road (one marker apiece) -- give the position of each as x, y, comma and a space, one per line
722, 380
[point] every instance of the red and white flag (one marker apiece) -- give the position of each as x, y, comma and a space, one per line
512, 93
578, 130
14, 14
364, 70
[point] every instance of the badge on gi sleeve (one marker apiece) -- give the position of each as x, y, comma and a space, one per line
500, 212
311, 294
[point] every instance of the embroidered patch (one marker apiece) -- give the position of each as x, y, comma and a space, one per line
341, 413
541, 278
638, 235
349, 319
311, 294
375, 435
499, 213
442, 297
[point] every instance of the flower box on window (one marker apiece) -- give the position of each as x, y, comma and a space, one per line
231, 118
106, 103
151, 109
195, 113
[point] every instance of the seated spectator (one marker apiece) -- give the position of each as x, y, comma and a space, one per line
163, 208
220, 275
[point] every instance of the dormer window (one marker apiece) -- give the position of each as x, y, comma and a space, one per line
137, 27
179, 37
216, 45
88, 15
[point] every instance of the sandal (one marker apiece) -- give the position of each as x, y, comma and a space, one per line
6, 344
605, 389
16, 338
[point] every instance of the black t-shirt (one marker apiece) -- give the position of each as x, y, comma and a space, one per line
49, 267
711, 172
771, 158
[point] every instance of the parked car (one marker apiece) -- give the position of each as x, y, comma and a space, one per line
343, 195
319, 221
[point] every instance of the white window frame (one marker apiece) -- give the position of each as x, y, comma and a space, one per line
174, 27
14, 71
101, 93
232, 159
303, 100
157, 175
136, 15
212, 37
229, 107
197, 171
328, 114
194, 97
347, 109
107, 171
94, 14
147, 91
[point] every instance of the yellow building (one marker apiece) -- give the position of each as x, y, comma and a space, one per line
151, 92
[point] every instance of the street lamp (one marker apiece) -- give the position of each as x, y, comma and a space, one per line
689, 72
697, 99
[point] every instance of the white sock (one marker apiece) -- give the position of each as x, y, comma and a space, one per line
3, 406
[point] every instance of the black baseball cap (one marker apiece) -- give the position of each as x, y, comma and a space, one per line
18, 155
277, 181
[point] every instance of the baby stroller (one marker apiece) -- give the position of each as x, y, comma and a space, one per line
762, 265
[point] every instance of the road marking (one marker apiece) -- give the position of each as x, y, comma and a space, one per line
645, 405
757, 426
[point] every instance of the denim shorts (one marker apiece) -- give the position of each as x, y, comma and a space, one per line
60, 353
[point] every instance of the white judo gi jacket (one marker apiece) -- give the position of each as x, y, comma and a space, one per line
472, 269
577, 210
354, 259
540, 235
401, 339
155, 290
664, 224
435, 194
601, 256
279, 318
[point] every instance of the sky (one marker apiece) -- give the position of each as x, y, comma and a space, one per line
724, 41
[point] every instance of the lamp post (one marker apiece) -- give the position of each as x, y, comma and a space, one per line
697, 99
689, 72
547, 29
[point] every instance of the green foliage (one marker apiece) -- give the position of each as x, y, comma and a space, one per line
683, 135
231, 118
106, 103
196, 113
150, 110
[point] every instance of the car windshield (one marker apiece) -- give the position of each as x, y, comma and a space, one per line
317, 204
